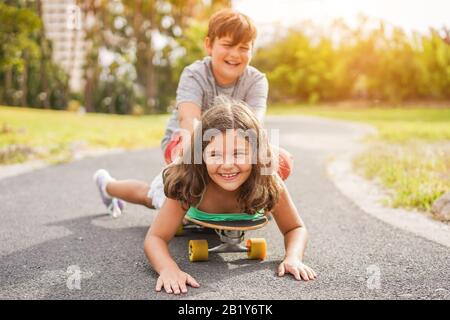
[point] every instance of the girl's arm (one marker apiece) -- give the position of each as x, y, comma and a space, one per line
295, 237
156, 248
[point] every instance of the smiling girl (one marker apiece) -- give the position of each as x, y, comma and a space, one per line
232, 176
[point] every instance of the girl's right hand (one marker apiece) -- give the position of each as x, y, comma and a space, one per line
174, 281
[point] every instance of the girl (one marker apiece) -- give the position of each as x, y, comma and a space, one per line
223, 170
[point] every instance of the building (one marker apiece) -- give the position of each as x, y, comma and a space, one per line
63, 25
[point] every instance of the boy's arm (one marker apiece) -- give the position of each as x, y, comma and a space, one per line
189, 99
256, 97
188, 103
187, 112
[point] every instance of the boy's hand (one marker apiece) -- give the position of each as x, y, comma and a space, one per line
297, 268
173, 148
174, 281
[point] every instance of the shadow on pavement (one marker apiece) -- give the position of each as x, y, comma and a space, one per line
111, 264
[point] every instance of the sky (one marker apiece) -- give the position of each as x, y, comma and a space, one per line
411, 15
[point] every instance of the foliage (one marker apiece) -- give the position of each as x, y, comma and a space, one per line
147, 53
28, 77
17, 27
380, 64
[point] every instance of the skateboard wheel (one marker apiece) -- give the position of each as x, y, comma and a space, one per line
257, 248
198, 250
180, 230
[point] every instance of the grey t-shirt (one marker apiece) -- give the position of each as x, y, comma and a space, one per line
197, 85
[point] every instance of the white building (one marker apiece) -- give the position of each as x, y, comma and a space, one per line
63, 24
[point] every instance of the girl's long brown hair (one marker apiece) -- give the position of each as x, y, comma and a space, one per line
186, 181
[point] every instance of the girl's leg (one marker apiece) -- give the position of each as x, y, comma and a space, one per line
132, 191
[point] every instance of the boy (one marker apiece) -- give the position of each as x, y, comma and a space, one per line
229, 44
225, 71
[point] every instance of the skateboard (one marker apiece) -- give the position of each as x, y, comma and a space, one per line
231, 234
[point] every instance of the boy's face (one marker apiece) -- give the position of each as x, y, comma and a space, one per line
228, 62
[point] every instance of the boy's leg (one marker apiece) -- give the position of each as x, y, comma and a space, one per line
132, 191
285, 162
114, 195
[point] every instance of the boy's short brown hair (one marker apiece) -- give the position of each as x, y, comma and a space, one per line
228, 22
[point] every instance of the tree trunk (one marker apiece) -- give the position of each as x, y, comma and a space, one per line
150, 88
91, 70
24, 80
8, 86
144, 55
89, 89
44, 58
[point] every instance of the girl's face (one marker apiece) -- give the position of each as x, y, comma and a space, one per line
228, 160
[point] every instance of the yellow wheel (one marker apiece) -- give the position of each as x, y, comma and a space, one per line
257, 248
198, 250
180, 230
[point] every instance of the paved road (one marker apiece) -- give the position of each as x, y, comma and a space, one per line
52, 222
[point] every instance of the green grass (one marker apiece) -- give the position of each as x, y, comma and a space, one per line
416, 174
394, 125
47, 134
411, 155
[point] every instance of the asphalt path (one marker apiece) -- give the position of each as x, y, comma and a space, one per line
54, 231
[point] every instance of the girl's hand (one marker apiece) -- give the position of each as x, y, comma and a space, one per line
174, 281
297, 268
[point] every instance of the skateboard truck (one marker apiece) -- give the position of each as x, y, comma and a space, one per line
231, 242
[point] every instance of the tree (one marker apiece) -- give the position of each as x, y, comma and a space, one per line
28, 77
141, 33
379, 64
16, 46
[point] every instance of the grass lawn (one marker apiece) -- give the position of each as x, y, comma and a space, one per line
411, 155
27, 133
394, 125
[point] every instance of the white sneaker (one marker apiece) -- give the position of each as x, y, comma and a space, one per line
114, 206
